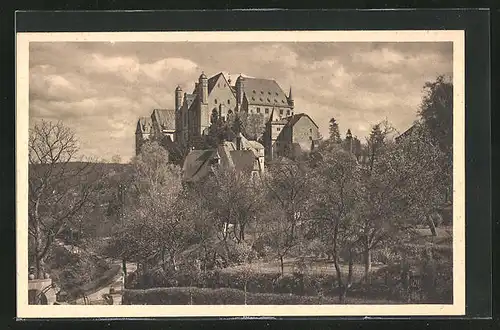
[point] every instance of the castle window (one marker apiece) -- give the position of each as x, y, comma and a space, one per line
281, 111
253, 91
269, 93
288, 112
258, 110
228, 101
267, 110
261, 92
218, 85
310, 130
268, 100
278, 129
276, 93
253, 98
215, 101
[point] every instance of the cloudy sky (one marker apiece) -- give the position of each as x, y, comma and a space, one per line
100, 89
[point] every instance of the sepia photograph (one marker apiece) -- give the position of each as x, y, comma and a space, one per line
253, 171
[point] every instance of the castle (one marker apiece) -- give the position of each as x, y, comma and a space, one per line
272, 127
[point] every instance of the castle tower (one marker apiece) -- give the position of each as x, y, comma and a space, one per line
291, 102
203, 116
240, 90
178, 98
203, 85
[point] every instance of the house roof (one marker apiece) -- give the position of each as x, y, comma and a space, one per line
213, 80
292, 120
165, 118
197, 164
406, 133
144, 125
264, 92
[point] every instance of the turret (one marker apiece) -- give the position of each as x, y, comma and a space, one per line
178, 98
203, 86
240, 89
291, 102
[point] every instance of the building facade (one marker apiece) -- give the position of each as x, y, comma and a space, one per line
280, 131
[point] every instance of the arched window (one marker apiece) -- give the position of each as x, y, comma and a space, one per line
215, 101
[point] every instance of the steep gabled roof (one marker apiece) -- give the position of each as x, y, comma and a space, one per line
213, 80
165, 118
264, 92
144, 125
198, 164
292, 120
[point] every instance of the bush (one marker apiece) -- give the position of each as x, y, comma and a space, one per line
71, 270
226, 296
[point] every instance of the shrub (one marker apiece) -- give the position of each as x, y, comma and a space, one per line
203, 296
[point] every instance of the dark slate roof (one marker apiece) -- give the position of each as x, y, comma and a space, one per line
295, 118
212, 81
243, 160
165, 118
406, 133
264, 92
197, 164
144, 125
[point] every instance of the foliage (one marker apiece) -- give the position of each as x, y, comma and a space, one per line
225, 296
72, 270
60, 189
334, 133
289, 187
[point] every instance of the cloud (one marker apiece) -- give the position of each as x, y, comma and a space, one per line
100, 89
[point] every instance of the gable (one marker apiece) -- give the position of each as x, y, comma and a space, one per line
164, 118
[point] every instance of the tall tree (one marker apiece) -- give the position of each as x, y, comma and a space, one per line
436, 112
334, 133
154, 228
335, 212
289, 187
399, 186
59, 187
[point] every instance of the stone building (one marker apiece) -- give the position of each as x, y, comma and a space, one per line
280, 131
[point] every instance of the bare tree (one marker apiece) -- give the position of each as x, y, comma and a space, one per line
289, 189
59, 187
335, 213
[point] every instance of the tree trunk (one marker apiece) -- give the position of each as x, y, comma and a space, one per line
282, 266
368, 264
431, 224
124, 267
245, 292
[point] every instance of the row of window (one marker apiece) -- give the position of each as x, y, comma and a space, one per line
268, 100
262, 92
266, 111
218, 85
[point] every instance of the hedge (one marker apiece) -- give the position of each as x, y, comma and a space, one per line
225, 296
103, 280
